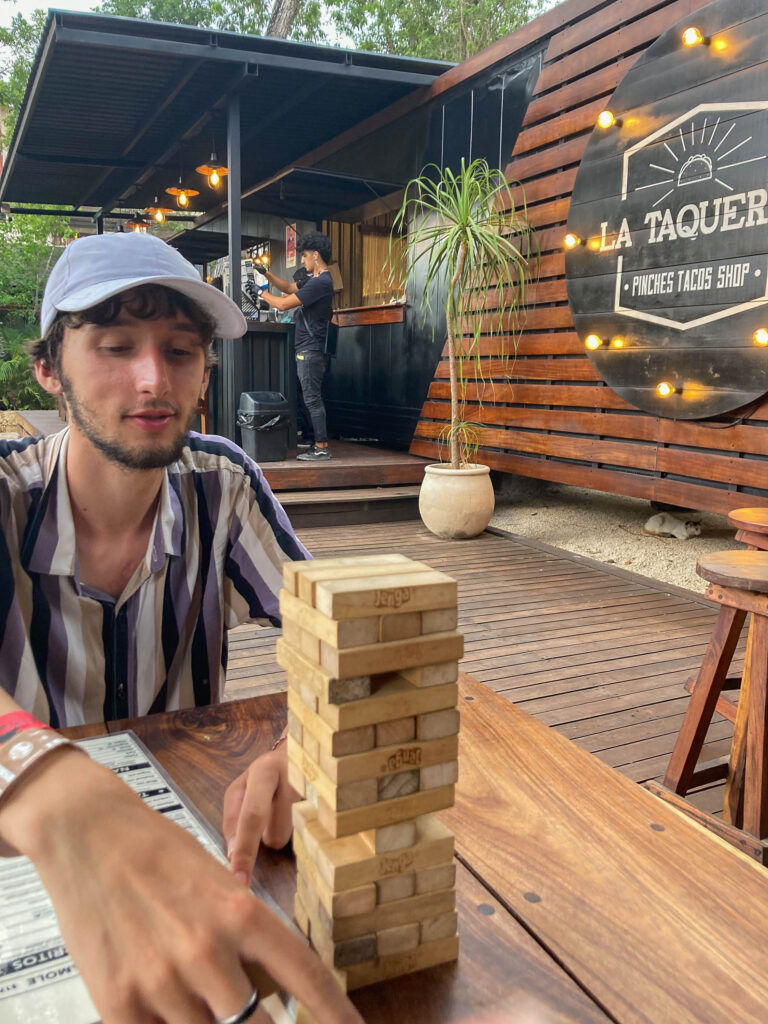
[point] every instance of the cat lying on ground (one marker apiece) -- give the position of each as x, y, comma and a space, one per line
665, 525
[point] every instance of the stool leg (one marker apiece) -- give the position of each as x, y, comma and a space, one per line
733, 805
701, 707
756, 775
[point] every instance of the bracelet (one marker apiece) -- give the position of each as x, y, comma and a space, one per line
23, 741
282, 739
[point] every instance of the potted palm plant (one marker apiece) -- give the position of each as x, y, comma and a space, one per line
468, 244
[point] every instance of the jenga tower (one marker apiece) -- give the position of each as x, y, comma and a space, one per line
371, 652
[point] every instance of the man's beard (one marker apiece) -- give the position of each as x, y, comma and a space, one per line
130, 458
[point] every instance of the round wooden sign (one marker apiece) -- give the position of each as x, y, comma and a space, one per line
667, 244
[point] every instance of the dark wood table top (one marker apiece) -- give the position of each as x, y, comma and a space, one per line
500, 965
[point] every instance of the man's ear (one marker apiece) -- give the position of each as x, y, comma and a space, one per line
204, 386
46, 378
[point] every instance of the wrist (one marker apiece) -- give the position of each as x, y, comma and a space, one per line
47, 794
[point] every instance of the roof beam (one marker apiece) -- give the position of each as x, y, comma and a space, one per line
82, 161
344, 67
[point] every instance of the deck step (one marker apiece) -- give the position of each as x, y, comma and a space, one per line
356, 505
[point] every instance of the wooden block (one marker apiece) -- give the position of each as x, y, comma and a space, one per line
340, 799
388, 760
309, 646
393, 697
397, 940
390, 787
398, 654
418, 589
346, 903
326, 687
432, 675
300, 915
339, 743
440, 927
312, 748
308, 697
436, 775
355, 951
348, 633
400, 730
399, 627
390, 838
437, 723
382, 968
292, 570
439, 620
442, 876
291, 633
385, 915
387, 812
396, 887
295, 728
318, 574
297, 780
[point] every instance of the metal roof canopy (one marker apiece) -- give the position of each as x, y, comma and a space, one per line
206, 246
116, 109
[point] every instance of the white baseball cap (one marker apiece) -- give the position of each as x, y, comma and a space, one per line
96, 267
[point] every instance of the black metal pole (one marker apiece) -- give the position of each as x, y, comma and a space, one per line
99, 225
233, 198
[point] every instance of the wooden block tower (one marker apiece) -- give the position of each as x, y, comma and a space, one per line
371, 652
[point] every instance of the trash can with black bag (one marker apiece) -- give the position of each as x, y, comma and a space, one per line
263, 420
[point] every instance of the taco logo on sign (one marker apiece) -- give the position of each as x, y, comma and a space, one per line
685, 187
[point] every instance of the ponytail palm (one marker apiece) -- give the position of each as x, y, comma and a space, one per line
471, 242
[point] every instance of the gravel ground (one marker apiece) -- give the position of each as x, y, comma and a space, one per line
608, 528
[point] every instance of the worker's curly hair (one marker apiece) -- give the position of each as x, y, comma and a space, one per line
315, 241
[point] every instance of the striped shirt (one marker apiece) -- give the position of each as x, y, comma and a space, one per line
70, 654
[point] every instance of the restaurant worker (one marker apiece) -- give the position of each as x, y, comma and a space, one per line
128, 547
314, 301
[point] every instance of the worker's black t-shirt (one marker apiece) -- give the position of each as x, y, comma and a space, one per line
312, 317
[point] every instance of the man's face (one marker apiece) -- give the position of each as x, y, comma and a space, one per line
309, 261
132, 387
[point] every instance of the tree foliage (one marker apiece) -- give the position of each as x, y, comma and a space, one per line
251, 16
435, 29
18, 386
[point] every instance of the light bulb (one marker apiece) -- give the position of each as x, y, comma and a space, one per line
760, 337
183, 199
606, 119
593, 342
692, 37
159, 216
214, 179
571, 241
664, 389
617, 343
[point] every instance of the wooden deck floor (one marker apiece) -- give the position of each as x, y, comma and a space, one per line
597, 652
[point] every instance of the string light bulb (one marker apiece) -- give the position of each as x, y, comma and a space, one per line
593, 341
607, 119
760, 337
617, 343
571, 241
665, 390
692, 36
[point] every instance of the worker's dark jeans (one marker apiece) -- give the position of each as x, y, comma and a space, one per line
311, 370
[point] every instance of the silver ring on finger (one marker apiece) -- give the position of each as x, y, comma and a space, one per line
246, 1013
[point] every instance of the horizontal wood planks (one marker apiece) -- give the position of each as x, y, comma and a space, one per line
351, 466
599, 653
540, 406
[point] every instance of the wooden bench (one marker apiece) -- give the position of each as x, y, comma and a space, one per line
656, 918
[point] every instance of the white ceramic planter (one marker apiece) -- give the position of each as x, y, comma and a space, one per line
456, 503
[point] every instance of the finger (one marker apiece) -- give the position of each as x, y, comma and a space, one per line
296, 967
168, 998
233, 801
254, 815
215, 973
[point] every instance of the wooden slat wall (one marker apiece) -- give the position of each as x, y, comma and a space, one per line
544, 411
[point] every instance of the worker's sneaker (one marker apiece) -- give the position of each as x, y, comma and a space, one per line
314, 454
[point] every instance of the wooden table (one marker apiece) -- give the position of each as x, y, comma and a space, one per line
580, 894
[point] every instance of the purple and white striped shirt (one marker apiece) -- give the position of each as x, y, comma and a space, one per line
70, 654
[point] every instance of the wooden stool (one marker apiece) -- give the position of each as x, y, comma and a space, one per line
738, 581
751, 527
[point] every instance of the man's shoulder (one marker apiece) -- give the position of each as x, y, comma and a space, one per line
209, 453
316, 289
23, 461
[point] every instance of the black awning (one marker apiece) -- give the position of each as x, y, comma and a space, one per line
200, 246
117, 109
306, 193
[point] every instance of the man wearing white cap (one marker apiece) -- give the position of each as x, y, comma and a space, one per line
128, 547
